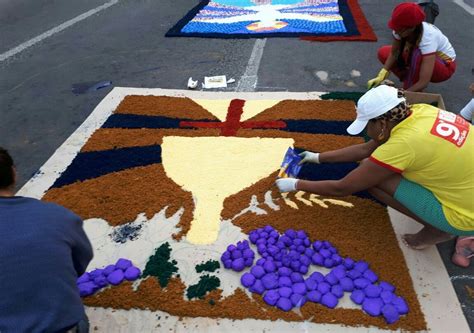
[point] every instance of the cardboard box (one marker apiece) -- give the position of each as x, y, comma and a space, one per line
426, 98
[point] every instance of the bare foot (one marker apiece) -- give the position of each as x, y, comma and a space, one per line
426, 237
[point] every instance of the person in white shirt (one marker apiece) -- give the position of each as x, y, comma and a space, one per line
468, 110
420, 53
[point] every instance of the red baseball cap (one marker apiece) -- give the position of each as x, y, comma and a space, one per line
406, 15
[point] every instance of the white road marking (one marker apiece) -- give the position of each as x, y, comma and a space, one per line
464, 6
248, 81
462, 277
55, 30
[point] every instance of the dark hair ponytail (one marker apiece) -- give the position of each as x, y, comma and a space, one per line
417, 33
6, 169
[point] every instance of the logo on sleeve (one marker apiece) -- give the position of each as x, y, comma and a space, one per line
451, 127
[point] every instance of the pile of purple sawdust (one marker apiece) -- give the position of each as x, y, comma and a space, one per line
281, 274
90, 282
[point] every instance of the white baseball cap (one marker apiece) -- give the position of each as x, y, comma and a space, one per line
372, 104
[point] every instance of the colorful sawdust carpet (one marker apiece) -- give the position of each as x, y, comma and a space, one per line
169, 182
322, 20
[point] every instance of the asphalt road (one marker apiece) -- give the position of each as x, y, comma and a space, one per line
125, 44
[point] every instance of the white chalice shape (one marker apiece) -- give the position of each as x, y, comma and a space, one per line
213, 168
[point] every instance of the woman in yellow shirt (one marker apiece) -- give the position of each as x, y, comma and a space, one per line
419, 162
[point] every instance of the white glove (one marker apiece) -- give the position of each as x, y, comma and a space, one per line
309, 157
286, 184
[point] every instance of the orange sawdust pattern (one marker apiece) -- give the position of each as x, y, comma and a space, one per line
120, 196
114, 138
165, 106
309, 109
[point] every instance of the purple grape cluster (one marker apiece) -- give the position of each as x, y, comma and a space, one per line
280, 275
90, 282
239, 256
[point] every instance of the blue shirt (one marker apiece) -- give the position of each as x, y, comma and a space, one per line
43, 249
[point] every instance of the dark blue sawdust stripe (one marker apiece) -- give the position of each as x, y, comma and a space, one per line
94, 164
120, 120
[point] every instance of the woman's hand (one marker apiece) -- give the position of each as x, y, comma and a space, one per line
286, 184
309, 157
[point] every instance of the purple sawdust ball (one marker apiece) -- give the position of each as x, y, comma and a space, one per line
268, 228
297, 241
123, 264
387, 296
231, 248
298, 300
271, 297
291, 233
324, 287
325, 253
370, 275
294, 255
305, 260
270, 281
284, 281
257, 287
317, 259
228, 263
372, 291
83, 278
317, 245
357, 296
248, 253
238, 264
331, 278
337, 259
337, 291
303, 269
306, 242
301, 249
87, 288
347, 284
372, 306
263, 235
311, 284
237, 254
96, 273
301, 234
273, 250
361, 283
247, 280
285, 292
132, 273
260, 262
116, 277
248, 262
101, 281
329, 300
109, 269
339, 272
253, 236
400, 304
286, 240
269, 266
257, 271
284, 304
295, 265
387, 286
328, 263
317, 276
314, 296
354, 274
299, 288
225, 256
271, 241
261, 242
296, 277
361, 266
309, 252
286, 261
390, 313
280, 245
284, 271
274, 234
332, 249
348, 263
